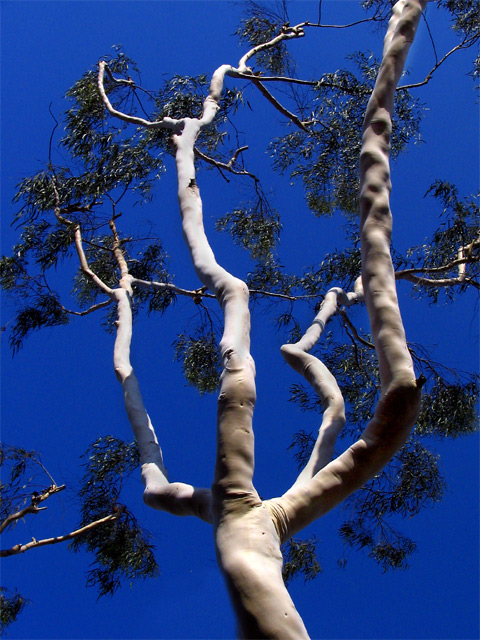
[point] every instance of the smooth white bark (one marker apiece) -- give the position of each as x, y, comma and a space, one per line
398, 407
322, 381
248, 531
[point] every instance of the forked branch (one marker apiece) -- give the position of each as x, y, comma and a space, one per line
399, 404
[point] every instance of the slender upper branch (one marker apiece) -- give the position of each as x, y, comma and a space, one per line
285, 112
466, 42
322, 381
165, 123
226, 166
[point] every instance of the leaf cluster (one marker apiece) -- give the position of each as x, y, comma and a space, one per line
200, 360
19, 479
122, 549
326, 156
458, 229
464, 16
44, 311
449, 409
255, 226
300, 557
260, 23
183, 97
405, 487
412, 480
151, 266
340, 268
12, 604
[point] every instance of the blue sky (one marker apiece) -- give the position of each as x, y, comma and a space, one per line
59, 393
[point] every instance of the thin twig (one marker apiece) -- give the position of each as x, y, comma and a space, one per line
465, 43
226, 166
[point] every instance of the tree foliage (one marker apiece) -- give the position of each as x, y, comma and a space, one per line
122, 549
12, 604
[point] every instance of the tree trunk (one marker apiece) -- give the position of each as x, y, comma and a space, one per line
248, 532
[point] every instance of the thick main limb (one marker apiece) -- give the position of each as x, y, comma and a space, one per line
399, 404
247, 544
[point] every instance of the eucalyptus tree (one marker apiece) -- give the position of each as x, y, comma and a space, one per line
121, 152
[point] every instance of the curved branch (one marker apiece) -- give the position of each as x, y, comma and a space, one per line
176, 498
399, 403
196, 294
79, 244
94, 307
226, 166
322, 381
285, 112
464, 257
165, 123
286, 34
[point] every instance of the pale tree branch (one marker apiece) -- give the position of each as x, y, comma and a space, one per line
319, 377
176, 498
247, 544
196, 294
399, 403
287, 33
79, 245
34, 544
33, 506
165, 123
465, 257
199, 294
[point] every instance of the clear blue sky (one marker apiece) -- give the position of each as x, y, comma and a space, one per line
59, 393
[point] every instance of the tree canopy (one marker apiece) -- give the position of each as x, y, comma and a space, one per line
105, 172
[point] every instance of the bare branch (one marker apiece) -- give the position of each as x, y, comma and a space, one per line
197, 294
348, 323
165, 123
78, 244
226, 166
85, 312
167, 286
32, 507
291, 116
34, 544
466, 42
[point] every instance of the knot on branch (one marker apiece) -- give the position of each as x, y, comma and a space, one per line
293, 32
198, 295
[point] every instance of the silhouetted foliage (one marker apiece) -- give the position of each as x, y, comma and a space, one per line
12, 604
122, 549
300, 558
